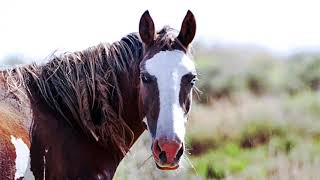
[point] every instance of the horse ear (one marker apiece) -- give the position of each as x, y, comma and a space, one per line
188, 29
146, 28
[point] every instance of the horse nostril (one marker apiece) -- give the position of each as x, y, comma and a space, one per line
158, 146
163, 157
179, 154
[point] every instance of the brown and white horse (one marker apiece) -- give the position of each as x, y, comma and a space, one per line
76, 116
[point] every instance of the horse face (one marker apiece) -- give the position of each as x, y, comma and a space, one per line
167, 78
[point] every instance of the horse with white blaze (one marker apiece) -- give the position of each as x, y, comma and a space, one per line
76, 116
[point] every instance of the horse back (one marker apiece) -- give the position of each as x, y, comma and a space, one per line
14, 143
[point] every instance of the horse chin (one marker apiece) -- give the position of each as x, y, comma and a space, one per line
167, 168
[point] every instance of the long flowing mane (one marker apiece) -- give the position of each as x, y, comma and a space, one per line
83, 87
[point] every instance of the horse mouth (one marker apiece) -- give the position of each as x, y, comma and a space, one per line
166, 167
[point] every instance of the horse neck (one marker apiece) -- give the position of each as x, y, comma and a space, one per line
79, 150
46, 123
132, 112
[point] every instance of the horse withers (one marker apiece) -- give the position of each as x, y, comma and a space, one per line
77, 116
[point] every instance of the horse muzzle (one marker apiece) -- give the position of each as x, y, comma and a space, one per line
167, 153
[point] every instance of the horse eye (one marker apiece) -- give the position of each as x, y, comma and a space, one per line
145, 78
193, 80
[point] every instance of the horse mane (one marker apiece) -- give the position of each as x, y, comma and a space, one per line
83, 86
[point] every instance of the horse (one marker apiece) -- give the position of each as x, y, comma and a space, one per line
77, 115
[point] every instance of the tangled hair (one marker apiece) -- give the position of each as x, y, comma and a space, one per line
166, 39
83, 87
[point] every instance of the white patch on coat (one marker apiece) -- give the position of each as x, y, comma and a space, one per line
169, 67
28, 174
22, 159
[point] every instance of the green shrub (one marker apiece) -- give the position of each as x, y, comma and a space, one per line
259, 132
216, 172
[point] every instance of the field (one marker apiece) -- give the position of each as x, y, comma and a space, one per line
258, 117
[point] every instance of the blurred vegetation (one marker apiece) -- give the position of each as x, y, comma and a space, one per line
12, 59
224, 74
258, 116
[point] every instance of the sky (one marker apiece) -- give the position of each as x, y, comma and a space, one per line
36, 28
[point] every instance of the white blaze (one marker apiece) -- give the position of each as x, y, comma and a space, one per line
22, 159
169, 67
